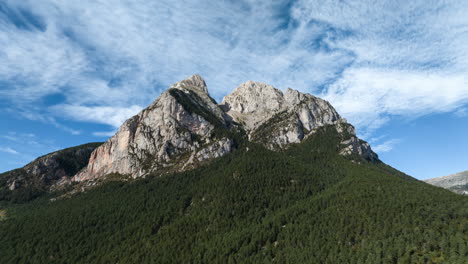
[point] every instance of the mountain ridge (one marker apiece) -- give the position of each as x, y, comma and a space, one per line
457, 182
184, 126
45, 173
235, 195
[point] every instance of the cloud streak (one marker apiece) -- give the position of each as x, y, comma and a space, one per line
385, 146
9, 150
108, 59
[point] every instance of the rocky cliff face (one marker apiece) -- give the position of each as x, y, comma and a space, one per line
253, 104
277, 119
185, 127
457, 183
274, 118
175, 132
49, 170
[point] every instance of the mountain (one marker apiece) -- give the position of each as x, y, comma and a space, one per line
185, 127
45, 173
263, 177
457, 183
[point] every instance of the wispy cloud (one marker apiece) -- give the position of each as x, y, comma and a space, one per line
371, 59
411, 57
113, 116
35, 114
9, 150
368, 96
461, 112
386, 146
28, 138
20, 148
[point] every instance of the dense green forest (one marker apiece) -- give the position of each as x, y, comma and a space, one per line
306, 204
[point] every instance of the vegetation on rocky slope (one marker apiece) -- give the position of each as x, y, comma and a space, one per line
306, 204
37, 177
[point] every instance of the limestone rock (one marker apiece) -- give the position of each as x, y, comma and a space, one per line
13, 186
180, 121
274, 118
457, 182
252, 103
356, 146
182, 128
215, 150
185, 127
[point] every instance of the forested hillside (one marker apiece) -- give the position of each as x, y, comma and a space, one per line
306, 204
44, 173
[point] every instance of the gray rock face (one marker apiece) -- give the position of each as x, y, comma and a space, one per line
277, 120
174, 125
356, 146
253, 103
457, 183
50, 170
181, 128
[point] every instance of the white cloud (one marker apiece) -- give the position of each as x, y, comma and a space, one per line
104, 133
9, 150
72, 131
385, 146
109, 59
113, 116
366, 96
28, 138
411, 57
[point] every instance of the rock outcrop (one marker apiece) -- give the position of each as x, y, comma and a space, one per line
254, 103
274, 118
185, 127
50, 170
277, 119
457, 183
180, 124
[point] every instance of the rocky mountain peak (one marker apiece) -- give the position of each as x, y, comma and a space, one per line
253, 103
185, 127
194, 82
252, 97
174, 133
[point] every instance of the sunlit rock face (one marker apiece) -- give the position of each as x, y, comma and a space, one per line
276, 118
181, 129
165, 134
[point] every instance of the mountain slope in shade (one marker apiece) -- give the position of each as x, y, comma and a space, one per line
457, 183
45, 173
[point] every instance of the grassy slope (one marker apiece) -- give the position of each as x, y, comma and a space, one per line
304, 205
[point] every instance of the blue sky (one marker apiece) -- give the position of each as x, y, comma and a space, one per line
72, 71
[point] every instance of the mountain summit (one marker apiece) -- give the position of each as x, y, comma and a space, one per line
185, 127
264, 177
